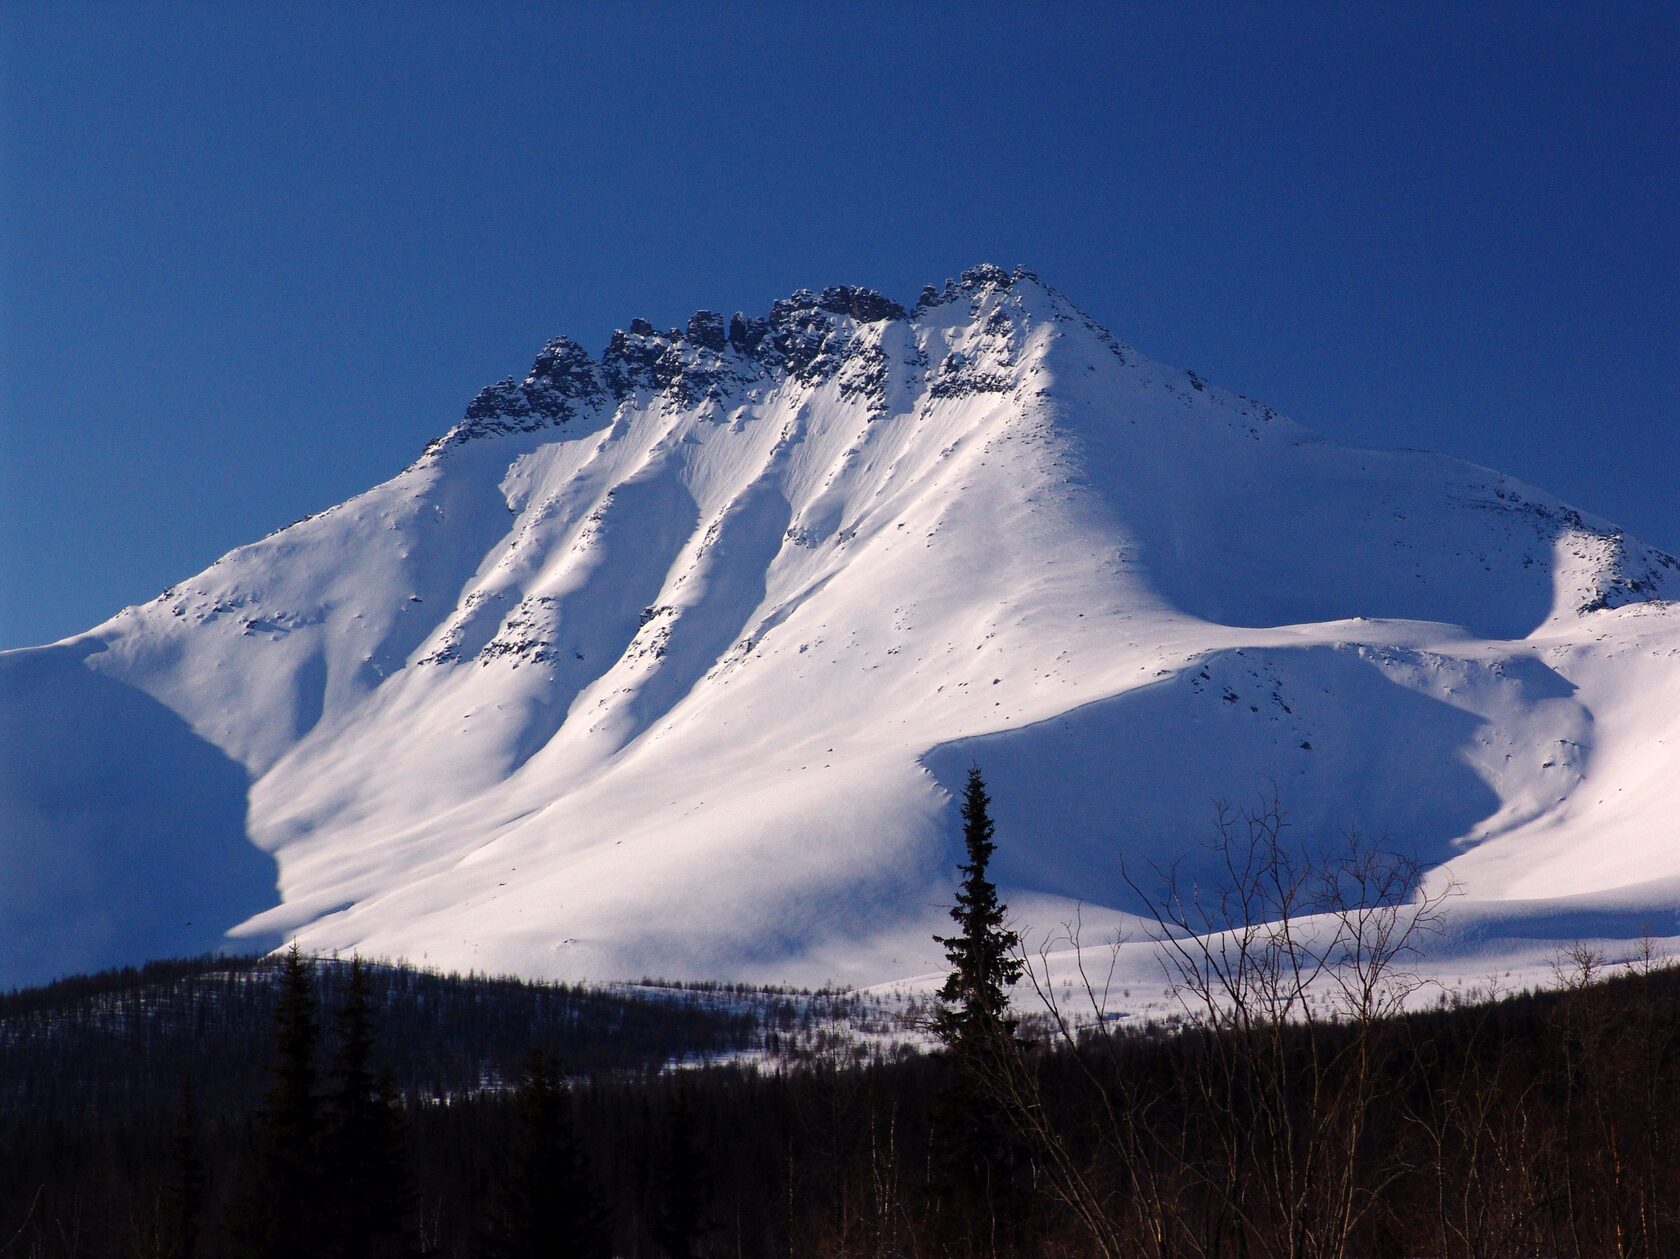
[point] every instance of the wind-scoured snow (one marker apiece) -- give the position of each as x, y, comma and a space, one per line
666, 663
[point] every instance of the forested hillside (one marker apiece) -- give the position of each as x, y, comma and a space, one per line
496, 1110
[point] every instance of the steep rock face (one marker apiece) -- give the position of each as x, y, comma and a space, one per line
662, 661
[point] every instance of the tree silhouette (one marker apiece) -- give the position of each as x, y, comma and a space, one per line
682, 1190
369, 1189
981, 1164
281, 1211
974, 999
548, 1203
186, 1181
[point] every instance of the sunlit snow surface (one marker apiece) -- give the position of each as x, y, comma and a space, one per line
677, 679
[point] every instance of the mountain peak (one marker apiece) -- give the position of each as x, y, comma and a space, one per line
973, 282
674, 675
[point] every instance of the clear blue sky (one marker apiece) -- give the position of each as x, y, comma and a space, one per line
253, 256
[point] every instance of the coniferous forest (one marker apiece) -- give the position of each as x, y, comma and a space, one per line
294, 1106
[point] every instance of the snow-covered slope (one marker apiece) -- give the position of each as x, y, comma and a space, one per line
666, 662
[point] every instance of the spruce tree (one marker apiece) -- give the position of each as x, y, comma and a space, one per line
280, 1215
548, 1204
680, 1220
291, 1108
974, 999
369, 1188
185, 1183
979, 1163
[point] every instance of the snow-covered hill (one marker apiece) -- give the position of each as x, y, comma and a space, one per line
665, 662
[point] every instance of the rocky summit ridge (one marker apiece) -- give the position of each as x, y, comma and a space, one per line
807, 336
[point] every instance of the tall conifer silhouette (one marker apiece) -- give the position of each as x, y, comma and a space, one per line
281, 1211
974, 1000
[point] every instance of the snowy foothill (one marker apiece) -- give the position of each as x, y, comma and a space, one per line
668, 662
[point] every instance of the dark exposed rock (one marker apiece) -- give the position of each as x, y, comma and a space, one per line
560, 361
804, 341
985, 273
502, 398
984, 365
863, 305
563, 382
968, 284
784, 308
640, 357
864, 376
807, 336
746, 332
527, 634
562, 379
706, 328
959, 376
1620, 577
688, 367
1618, 585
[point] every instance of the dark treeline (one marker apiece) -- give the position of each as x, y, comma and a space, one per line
100, 1044
1298, 1105
112, 1086
1540, 1124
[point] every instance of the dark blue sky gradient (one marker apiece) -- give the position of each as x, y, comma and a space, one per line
253, 257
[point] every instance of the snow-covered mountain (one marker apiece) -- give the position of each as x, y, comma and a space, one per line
666, 662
